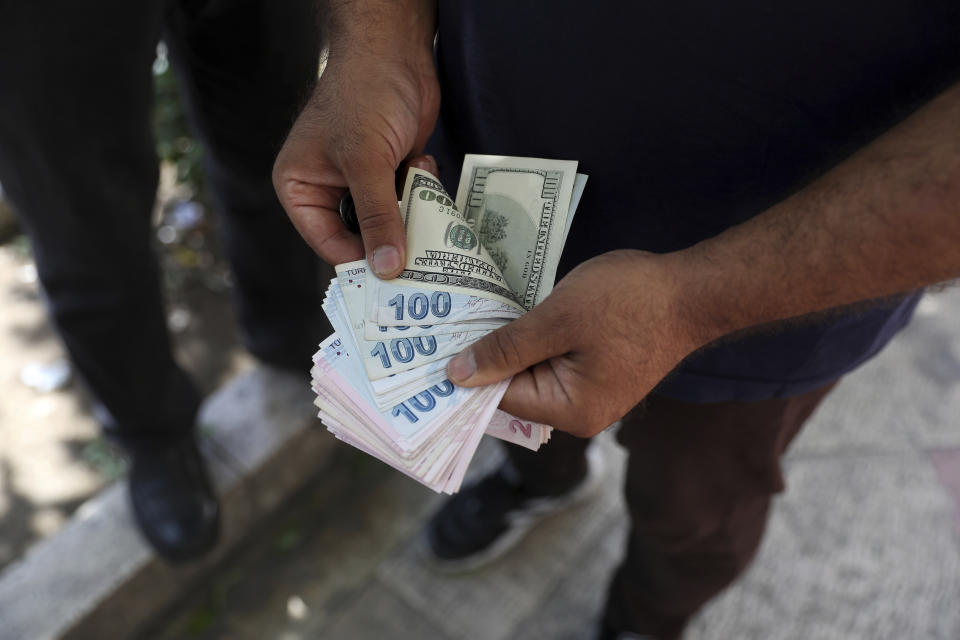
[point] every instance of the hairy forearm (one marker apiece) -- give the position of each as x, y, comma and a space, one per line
380, 27
885, 221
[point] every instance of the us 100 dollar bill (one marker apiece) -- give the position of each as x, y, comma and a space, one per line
519, 208
444, 252
499, 243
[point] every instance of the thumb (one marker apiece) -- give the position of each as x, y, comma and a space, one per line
509, 350
375, 197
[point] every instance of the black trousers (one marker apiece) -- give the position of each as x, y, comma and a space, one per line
700, 479
77, 160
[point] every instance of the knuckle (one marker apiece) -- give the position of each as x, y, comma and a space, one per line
378, 221
365, 156
277, 174
281, 176
504, 349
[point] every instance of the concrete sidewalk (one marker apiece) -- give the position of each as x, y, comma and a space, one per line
864, 544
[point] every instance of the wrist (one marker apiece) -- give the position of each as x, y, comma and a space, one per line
700, 300
397, 30
659, 289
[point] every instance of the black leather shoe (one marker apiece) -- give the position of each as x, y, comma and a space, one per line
173, 500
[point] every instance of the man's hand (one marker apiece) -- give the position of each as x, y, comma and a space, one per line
605, 336
883, 222
374, 107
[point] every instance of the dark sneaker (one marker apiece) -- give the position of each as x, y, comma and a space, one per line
485, 520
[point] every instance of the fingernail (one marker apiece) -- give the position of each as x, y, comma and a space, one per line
462, 366
386, 260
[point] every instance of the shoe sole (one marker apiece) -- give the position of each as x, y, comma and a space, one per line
520, 522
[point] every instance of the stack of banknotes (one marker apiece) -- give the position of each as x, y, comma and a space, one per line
473, 265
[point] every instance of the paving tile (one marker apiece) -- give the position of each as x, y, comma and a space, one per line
45, 590
258, 412
263, 426
947, 464
572, 610
858, 548
380, 613
908, 395
313, 559
851, 421
929, 350
489, 603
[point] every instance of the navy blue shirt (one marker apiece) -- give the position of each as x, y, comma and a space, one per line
691, 117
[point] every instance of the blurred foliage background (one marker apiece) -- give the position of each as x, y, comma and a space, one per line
190, 256
175, 142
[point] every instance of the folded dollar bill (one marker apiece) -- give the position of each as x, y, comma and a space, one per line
473, 265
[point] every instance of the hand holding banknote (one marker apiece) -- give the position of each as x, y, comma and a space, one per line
582, 358
371, 111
